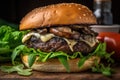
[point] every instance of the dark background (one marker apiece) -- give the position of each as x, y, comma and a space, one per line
14, 10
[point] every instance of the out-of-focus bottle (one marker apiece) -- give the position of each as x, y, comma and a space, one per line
102, 11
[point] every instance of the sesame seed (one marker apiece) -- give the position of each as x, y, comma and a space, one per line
91, 14
79, 8
63, 4
80, 17
83, 7
66, 4
70, 6
86, 18
76, 5
84, 14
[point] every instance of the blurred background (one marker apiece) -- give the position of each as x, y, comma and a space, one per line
14, 10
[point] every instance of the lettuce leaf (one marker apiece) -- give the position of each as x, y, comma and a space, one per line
9, 39
17, 68
62, 56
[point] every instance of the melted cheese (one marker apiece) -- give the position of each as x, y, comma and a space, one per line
44, 38
90, 41
70, 43
28, 36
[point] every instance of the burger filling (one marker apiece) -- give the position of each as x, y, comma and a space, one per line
74, 38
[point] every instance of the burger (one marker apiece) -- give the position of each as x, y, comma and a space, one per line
61, 37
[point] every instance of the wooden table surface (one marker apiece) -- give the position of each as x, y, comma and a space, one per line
61, 76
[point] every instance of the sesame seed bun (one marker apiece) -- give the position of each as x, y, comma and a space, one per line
58, 14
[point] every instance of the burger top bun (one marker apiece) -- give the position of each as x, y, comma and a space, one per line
58, 14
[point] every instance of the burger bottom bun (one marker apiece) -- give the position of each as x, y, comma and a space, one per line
53, 65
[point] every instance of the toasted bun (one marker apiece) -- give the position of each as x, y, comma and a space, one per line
58, 14
53, 65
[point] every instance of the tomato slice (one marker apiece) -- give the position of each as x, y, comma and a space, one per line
113, 42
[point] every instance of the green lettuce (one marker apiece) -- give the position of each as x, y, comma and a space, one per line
9, 39
17, 68
64, 57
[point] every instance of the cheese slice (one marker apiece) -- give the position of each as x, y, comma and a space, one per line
90, 41
44, 37
28, 36
70, 43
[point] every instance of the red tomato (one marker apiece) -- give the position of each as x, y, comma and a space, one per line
113, 42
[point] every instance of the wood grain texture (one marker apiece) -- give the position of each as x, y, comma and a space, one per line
61, 76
